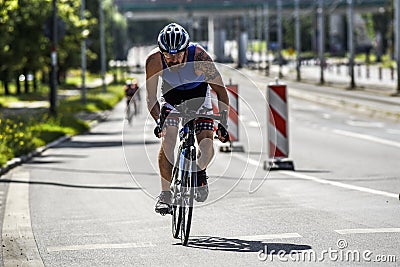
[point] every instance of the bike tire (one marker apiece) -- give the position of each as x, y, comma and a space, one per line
186, 221
176, 220
176, 208
188, 198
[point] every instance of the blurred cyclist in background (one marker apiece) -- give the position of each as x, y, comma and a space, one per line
132, 98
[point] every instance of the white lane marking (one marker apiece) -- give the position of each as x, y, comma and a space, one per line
322, 181
367, 231
326, 116
100, 246
393, 131
366, 124
247, 160
339, 184
368, 138
268, 237
19, 246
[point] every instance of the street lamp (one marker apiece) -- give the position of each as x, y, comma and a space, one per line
350, 40
53, 80
83, 55
397, 42
321, 37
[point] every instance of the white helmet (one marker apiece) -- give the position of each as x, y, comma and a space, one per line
173, 39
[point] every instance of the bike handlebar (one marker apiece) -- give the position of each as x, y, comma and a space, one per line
191, 115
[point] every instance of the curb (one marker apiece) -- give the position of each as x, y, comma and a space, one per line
24, 158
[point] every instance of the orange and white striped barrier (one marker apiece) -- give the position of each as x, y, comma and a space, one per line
278, 130
233, 116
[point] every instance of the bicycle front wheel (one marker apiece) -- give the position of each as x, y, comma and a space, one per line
186, 211
176, 220
176, 209
188, 197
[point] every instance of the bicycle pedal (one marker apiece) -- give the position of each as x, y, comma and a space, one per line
164, 212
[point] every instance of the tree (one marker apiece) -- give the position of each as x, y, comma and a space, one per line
7, 9
116, 31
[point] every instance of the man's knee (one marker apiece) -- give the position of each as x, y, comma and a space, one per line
168, 144
169, 140
206, 143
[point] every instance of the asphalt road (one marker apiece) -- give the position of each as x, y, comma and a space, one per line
90, 201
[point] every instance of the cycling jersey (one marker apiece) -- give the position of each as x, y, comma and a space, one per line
181, 84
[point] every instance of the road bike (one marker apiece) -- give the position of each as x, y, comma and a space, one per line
184, 178
133, 107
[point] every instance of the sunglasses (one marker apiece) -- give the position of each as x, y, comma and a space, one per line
173, 56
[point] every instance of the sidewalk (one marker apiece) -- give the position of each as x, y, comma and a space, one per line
372, 97
380, 81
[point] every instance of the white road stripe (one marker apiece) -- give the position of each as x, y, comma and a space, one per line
368, 138
367, 231
393, 131
366, 124
339, 184
268, 236
100, 246
19, 246
322, 181
247, 159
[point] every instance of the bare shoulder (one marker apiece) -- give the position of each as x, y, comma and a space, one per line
153, 62
201, 54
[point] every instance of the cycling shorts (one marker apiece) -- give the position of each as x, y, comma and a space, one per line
200, 123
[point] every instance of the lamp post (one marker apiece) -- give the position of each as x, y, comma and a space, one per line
83, 56
279, 18
53, 78
350, 39
397, 42
321, 37
298, 44
102, 46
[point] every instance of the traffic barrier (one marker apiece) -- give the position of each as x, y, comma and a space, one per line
278, 137
233, 117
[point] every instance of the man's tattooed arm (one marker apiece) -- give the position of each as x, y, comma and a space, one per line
204, 64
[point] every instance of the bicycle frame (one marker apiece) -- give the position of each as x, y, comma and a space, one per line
183, 183
184, 176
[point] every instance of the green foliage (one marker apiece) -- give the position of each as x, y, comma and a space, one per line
25, 49
21, 134
14, 137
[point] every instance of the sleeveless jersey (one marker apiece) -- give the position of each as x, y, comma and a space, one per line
183, 84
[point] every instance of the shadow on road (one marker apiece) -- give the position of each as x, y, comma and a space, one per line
104, 133
239, 245
91, 170
70, 185
312, 171
74, 156
96, 144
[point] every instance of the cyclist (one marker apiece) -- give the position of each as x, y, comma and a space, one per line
171, 62
132, 97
